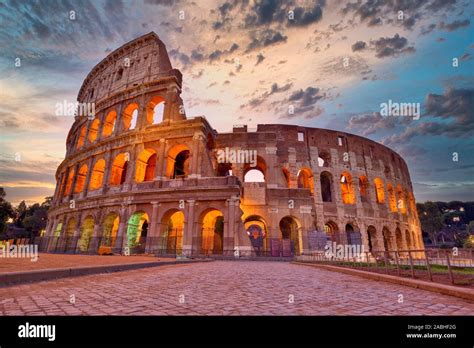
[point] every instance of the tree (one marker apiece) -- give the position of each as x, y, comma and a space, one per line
6, 211
20, 211
431, 219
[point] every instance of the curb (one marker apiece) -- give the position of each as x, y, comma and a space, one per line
14, 278
466, 294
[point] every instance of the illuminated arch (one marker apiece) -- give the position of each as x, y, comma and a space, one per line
130, 116
212, 232
94, 130
145, 166
379, 191
137, 230
178, 161
69, 234
97, 175
119, 169
155, 109
109, 124
364, 189
401, 202
110, 230
81, 179
256, 229
290, 229
347, 189
392, 201
286, 175
305, 179
172, 232
82, 136
87, 230
70, 178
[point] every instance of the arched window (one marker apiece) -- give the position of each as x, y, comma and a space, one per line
146, 164
178, 162
332, 232
353, 235
391, 198
401, 203
97, 175
379, 191
305, 179
129, 116
326, 187
254, 175
155, 110
324, 159
286, 175
109, 124
119, 74
70, 178
82, 136
119, 169
94, 130
81, 179
363, 189
347, 190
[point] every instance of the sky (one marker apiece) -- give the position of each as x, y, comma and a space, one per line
333, 63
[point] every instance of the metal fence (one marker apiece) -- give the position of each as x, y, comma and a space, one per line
436, 265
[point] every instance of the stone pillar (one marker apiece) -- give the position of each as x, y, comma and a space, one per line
96, 234
152, 238
107, 171
229, 226
118, 121
131, 168
77, 235
194, 170
122, 229
272, 167
190, 234
161, 160
88, 177
307, 226
74, 179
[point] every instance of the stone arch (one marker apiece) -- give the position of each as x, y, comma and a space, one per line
372, 239
81, 179
387, 239
87, 231
130, 116
286, 176
408, 239
347, 188
290, 232
97, 175
326, 187
145, 166
306, 179
392, 201
70, 178
94, 130
109, 123
353, 234
82, 137
172, 231
155, 110
212, 231
257, 231
110, 227
69, 233
364, 189
258, 173
411, 200
178, 161
137, 230
379, 191
399, 239
324, 159
401, 202
119, 169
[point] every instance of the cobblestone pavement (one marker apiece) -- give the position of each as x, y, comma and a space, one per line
47, 261
225, 288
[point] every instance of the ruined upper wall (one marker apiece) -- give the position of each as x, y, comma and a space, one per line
139, 61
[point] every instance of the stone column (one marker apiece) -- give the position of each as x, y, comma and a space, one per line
130, 169
107, 171
272, 167
152, 238
229, 229
161, 160
122, 229
88, 177
190, 234
74, 179
194, 170
118, 121
307, 226
77, 234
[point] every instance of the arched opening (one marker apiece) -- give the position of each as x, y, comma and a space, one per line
347, 189
129, 116
256, 173
379, 191
289, 228
363, 189
392, 201
70, 229
324, 159
119, 75
212, 233
387, 239
137, 230
109, 232
94, 130
326, 186
87, 230
172, 232
119, 169
401, 200
353, 235
224, 169
372, 239
399, 239
97, 175
109, 124
178, 162
81, 179
70, 178
145, 167
256, 229
286, 175
332, 232
57, 231
408, 239
305, 179
82, 136
155, 110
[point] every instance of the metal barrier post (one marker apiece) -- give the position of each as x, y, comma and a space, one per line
411, 264
451, 278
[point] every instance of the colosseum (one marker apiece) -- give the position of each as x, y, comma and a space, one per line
139, 176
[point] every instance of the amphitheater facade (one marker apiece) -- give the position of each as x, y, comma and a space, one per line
141, 177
